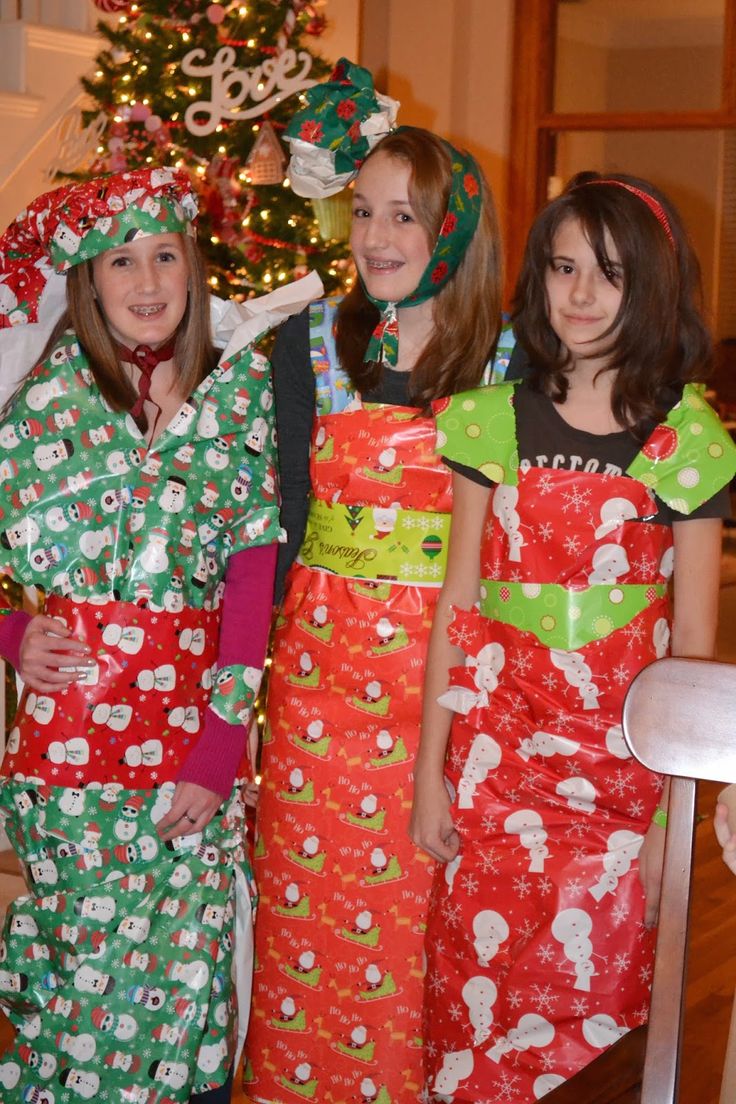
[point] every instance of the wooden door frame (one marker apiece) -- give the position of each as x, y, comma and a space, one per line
534, 121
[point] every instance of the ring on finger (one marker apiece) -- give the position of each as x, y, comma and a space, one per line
191, 819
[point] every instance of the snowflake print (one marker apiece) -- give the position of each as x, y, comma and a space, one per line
437, 983
546, 953
620, 783
636, 809
563, 723
521, 663
489, 862
522, 886
544, 885
452, 913
506, 1087
546, 531
621, 674
544, 999
574, 887
505, 722
527, 931
644, 566
496, 568
634, 632
573, 545
488, 823
545, 484
457, 759
515, 999
622, 962
549, 681
620, 913
461, 637
531, 780
455, 1012
580, 1007
470, 883
576, 500
645, 973
642, 1014
548, 1062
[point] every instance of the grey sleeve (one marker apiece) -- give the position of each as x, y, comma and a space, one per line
294, 393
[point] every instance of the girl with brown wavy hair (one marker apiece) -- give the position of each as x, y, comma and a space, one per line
343, 892
583, 495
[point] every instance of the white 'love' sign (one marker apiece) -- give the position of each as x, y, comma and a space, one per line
266, 85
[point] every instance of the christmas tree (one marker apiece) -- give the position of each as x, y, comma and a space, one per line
209, 87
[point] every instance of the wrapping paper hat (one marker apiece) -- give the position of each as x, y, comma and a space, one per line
75, 222
330, 139
332, 136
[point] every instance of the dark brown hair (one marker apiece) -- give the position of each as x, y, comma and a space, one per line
658, 340
195, 355
466, 311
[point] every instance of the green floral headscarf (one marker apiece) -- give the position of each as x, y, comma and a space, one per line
330, 139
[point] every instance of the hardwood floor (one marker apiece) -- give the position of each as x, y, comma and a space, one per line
712, 962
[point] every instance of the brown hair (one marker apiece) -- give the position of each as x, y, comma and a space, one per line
195, 355
466, 311
658, 340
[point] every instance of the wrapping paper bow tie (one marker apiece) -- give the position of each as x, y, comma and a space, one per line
146, 358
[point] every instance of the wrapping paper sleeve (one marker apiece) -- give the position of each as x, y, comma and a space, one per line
478, 429
246, 616
689, 457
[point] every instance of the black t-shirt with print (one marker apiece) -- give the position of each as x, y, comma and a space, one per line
547, 441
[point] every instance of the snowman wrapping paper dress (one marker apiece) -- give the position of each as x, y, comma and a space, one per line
538, 957
125, 941
338, 979
120, 966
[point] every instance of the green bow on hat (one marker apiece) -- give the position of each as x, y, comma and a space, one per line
332, 136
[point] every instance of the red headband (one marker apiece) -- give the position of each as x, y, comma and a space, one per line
654, 206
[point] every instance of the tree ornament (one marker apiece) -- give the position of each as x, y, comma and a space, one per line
216, 14
334, 215
316, 26
113, 5
287, 29
266, 160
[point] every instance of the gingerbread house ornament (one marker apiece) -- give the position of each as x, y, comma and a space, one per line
266, 160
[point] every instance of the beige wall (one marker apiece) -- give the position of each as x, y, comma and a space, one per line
685, 164
449, 63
